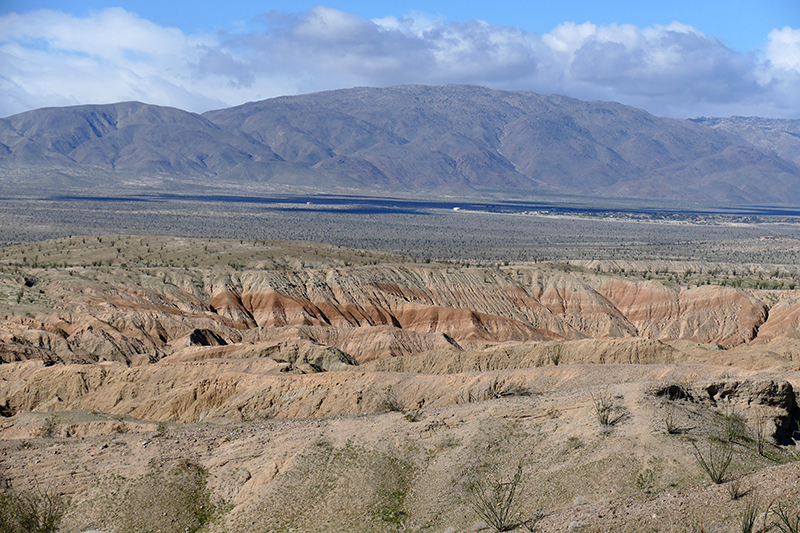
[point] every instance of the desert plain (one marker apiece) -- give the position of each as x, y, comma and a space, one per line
573, 373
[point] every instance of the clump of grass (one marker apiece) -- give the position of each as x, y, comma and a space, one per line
733, 426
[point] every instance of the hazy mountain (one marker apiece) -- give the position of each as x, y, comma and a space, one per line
780, 136
419, 139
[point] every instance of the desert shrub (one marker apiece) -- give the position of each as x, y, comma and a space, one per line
605, 411
750, 513
787, 520
735, 488
671, 420
494, 501
413, 415
502, 389
760, 432
716, 461
49, 427
389, 402
161, 430
31, 512
496, 389
173, 501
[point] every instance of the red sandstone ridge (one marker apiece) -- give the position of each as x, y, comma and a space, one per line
783, 322
368, 312
706, 314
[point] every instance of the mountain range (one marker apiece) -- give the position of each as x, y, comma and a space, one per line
412, 140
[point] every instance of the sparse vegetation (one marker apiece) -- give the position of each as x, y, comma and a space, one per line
384, 478
495, 501
173, 501
716, 461
605, 411
750, 513
31, 511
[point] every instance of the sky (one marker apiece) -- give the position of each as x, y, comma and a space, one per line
678, 58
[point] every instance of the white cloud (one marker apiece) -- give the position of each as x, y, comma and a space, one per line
783, 49
51, 58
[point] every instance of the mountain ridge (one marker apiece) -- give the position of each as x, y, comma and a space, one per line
413, 139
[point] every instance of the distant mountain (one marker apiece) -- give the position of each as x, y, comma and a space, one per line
452, 139
780, 136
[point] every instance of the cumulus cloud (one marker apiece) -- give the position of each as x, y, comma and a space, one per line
51, 58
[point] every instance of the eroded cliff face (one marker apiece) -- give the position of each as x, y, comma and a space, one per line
705, 314
143, 316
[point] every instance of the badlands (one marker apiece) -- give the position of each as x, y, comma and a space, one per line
167, 384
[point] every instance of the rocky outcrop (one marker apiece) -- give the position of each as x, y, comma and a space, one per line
774, 402
783, 322
705, 314
596, 351
141, 316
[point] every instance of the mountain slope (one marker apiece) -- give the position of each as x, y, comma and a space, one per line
450, 139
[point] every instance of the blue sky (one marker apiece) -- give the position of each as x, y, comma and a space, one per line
678, 58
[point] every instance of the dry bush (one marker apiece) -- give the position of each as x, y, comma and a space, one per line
716, 461
750, 513
389, 402
31, 512
605, 411
494, 501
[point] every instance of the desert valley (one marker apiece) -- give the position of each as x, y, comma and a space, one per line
437, 309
